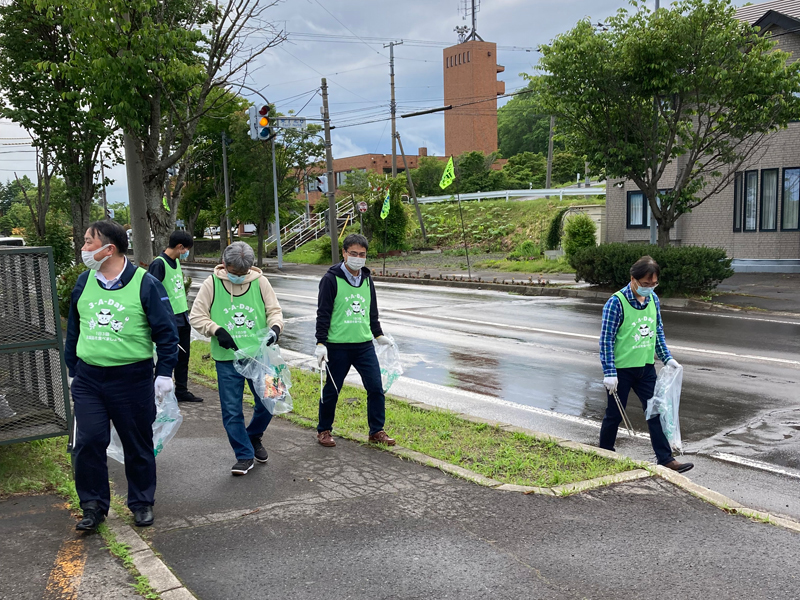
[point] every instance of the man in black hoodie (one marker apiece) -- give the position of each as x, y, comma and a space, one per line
347, 321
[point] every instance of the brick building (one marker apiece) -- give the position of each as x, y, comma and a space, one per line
470, 76
377, 163
756, 219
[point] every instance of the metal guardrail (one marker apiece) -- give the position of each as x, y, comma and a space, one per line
507, 194
34, 397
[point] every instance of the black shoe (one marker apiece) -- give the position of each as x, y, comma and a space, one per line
143, 517
91, 519
259, 451
242, 467
188, 397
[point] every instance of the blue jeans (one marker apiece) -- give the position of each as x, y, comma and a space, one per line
231, 388
641, 380
125, 397
340, 358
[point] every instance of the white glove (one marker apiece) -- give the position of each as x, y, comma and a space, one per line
674, 363
321, 354
69, 381
611, 384
163, 386
383, 340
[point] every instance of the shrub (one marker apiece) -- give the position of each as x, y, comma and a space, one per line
578, 233
554, 233
527, 250
60, 239
64, 284
686, 270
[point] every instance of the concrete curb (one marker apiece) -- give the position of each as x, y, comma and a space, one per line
161, 579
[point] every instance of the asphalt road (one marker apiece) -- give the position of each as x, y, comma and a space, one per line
509, 357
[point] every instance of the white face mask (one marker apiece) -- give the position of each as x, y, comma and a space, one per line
89, 260
355, 263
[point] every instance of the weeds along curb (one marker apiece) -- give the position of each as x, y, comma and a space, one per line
139, 558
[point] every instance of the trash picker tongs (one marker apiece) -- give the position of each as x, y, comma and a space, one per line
626, 421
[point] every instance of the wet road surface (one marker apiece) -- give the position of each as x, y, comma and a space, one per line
740, 399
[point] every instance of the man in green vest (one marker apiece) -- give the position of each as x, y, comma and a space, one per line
630, 338
347, 322
234, 307
167, 269
117, 312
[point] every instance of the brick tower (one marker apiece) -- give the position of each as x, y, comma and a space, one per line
470, 74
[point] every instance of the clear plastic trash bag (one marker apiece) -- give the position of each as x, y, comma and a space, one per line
665, 403
168, 420
389, 361
269, 374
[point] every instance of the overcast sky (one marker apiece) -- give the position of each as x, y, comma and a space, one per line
358, 71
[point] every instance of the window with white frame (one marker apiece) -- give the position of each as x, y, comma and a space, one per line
750, 208
769, 200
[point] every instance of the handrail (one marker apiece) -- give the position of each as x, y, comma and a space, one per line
560, 192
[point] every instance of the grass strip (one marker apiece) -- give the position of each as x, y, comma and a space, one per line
37, 467
506, 456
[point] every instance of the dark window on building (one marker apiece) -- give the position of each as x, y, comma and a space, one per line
769, 200
467, 55
791, 200
750, 208
637, 210
738, 194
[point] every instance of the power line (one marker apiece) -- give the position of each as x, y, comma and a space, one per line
321, 75
348, 29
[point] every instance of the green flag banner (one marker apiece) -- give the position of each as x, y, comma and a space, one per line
449, 174
385, 209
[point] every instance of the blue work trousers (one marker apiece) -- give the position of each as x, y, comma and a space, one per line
340, 358
641, 380
123, 396
231, 388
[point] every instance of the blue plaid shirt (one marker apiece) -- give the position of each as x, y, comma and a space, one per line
612, 319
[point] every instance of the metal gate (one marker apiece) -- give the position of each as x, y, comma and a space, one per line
34, 398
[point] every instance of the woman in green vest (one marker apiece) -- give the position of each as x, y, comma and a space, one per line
347, 322
233, 307
631, 336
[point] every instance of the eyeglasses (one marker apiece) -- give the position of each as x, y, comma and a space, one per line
357, 254
652, 285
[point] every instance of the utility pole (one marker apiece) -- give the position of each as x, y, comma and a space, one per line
549, 180
413, 192
653, 224
277, 214
227, 189
326, 118
103, 180
393, 105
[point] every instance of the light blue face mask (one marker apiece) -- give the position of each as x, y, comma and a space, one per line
185, 255
645, 291
237, 279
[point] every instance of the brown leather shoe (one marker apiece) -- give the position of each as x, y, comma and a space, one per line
325, 439
679, 467
381, 438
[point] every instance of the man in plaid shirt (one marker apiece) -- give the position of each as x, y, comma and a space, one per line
631, 337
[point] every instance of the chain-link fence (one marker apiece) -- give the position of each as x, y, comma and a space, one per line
34, 399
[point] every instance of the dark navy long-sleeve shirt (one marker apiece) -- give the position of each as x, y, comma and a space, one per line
157, 308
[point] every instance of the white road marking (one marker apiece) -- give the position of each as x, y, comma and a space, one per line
783, 361
754, 464
743, 318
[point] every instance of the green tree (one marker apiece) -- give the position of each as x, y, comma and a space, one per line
525, 170
389, 233
579, 232
475, 174
565, 166
66, 119
523, 125
689, 84
427, 175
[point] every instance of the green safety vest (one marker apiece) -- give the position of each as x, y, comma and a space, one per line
173, 283
243, 317
635, 344
350, 318
113, 325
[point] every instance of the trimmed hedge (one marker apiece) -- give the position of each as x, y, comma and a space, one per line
579, 232
685, 270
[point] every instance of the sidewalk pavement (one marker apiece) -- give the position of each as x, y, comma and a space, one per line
356, 522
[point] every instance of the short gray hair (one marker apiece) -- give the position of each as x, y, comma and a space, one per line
240, 256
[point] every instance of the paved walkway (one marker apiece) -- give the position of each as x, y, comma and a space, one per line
355, 522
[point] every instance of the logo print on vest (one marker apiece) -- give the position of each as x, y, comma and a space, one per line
104, 317
643, 332
356, 306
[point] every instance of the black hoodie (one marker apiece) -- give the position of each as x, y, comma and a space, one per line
327, 295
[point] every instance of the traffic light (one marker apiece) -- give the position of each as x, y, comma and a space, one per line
322, 183
260, 121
